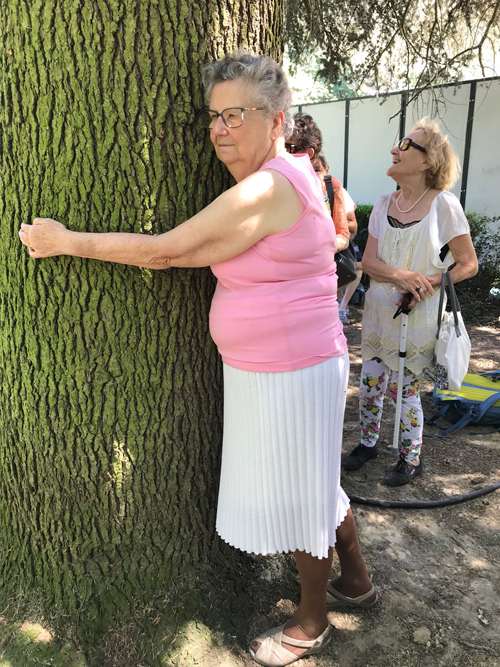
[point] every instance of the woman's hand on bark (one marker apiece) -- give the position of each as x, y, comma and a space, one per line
44, 238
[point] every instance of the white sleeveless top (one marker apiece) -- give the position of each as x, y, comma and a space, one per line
415, 248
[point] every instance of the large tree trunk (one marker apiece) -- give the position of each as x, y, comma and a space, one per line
110, 393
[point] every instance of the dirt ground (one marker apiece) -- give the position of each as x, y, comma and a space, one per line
436, 570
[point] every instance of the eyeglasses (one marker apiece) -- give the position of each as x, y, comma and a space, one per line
231, 117
405, 144
293, 149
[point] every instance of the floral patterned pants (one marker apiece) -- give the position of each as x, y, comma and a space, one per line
374, 378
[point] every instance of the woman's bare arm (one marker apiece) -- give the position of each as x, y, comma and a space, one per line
339, 216
352, 223
262, 204
342, 242
465, 258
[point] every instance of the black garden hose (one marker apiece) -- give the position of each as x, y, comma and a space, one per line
425, 504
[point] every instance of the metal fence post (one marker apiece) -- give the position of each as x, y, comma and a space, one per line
402, 116
346, 141
468, 139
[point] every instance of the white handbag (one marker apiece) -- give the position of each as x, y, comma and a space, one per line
452, 350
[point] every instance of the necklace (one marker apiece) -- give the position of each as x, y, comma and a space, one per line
409, 209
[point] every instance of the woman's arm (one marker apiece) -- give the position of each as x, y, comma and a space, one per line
352, 223
342, 242
262, 204
465, 260
408, 281
339, 216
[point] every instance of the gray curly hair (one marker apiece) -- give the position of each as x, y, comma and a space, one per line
266, 76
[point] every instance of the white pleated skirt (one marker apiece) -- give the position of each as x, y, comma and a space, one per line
280, 477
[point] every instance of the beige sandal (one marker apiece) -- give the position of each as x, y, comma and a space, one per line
272, 654
336, 599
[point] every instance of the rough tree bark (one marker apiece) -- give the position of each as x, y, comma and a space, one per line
110, 392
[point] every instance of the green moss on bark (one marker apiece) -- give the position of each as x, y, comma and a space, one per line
110, 400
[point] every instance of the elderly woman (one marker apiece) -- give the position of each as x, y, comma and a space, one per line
414, 235
274, 318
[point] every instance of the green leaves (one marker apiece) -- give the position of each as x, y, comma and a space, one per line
394, 44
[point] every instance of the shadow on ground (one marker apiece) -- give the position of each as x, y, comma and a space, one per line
436, 571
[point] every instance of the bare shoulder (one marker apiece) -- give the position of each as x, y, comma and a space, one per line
268, 182
264, 201
275, 196
260, 189
270, 186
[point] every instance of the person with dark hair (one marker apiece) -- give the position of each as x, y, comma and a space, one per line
274, 318
320, 164
307, 138
321, 167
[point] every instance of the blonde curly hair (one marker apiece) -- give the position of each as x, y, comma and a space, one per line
444, 167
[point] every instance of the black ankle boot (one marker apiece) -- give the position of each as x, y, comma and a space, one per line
359, 456
402, 473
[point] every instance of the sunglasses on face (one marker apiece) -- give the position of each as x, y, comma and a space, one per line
405, 144
293, 149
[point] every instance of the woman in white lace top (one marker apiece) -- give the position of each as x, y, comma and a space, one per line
415, 234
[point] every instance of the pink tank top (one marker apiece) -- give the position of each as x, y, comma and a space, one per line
275, 305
